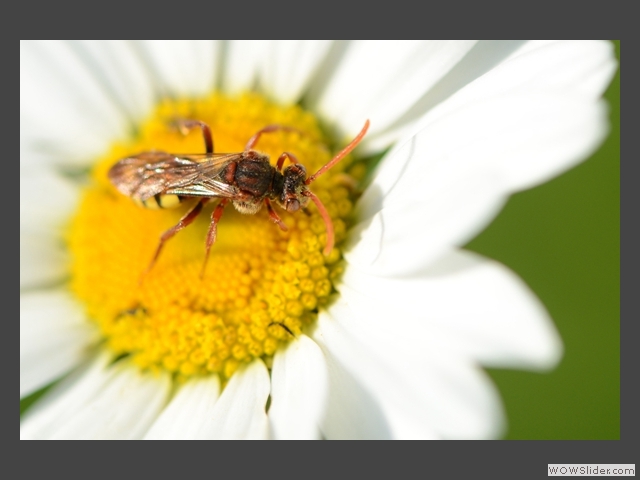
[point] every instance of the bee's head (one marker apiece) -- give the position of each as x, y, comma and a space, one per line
292, 198
296, 195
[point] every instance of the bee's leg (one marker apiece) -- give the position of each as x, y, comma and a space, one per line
213, 231
186, 220
186, 124
292, 158
327, 220
269, 128
274, 216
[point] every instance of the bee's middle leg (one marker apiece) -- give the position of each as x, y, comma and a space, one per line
186, 220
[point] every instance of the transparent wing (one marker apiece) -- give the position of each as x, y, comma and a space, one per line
150, 173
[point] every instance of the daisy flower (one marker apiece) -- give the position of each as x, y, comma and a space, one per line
385, 335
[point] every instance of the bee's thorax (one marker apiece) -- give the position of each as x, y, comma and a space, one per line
254, 175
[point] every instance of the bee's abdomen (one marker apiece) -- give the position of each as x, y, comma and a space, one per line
160, 201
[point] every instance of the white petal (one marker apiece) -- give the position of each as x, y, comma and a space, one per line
64, 109
243, 59
55, 336
298, 391
240, 411
493, 68
43, 260
523, 46
405, 237
47, 202
442, 187
124, 408
380, 80
100, 402
182, 67
575, 66
477, 305
190, 412
123, 74
60, 403
530, 137
30, 160
484, 56
495, 132
352, 412
289, 65
434, 391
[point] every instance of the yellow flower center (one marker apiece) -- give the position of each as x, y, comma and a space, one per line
261, 284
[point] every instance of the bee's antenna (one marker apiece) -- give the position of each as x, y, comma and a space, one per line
327, 220
343, 153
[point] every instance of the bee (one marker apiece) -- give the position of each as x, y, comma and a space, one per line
157, 179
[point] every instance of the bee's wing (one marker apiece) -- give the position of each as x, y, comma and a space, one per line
150, 173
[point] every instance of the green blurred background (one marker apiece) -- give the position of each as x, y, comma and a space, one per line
563, 239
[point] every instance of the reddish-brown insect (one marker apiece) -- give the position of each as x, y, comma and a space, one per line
246, 179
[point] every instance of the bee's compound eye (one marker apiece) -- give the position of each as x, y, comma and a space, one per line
293, 205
